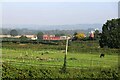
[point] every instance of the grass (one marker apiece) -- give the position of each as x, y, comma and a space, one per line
38, 59
56, 57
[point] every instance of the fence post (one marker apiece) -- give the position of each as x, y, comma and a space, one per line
65, 57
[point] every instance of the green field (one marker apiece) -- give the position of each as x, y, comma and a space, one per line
32, 58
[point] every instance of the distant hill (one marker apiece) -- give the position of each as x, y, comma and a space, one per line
54, 27
51, 29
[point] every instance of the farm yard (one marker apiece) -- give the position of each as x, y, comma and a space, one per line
45, 61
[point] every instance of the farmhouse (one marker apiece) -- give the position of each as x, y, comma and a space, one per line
33, 37
5, 36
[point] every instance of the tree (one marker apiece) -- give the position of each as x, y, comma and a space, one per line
80, 36
110, 35
40, 35
13, 32
97, 34
75, 33
74, 36
23, 38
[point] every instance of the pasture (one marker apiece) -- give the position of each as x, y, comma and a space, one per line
35, 57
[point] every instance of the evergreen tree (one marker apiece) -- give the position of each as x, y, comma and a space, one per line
111, 34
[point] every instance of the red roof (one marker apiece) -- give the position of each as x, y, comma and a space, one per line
50, 38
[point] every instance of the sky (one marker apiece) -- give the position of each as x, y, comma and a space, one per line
59, 0
119, 9
58, 13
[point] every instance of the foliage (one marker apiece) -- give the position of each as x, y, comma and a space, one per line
111, 34
76, 46
78, 36
40, 35
40, 72
23, 38
97, 34
13, 32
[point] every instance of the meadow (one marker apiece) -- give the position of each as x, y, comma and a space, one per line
46, 61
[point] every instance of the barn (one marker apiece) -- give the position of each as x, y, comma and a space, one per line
51, 37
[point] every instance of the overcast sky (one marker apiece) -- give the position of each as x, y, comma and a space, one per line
58, 13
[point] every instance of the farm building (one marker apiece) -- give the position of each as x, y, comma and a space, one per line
92, 34
33, 37
50, 37
53, 37
5, 36
63, 37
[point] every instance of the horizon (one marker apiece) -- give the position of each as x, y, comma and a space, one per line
53, 27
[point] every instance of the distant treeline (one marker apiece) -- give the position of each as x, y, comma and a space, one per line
31, 32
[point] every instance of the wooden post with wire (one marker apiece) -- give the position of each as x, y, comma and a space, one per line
65, 57
66, 46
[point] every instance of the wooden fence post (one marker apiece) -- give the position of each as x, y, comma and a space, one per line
65, 57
